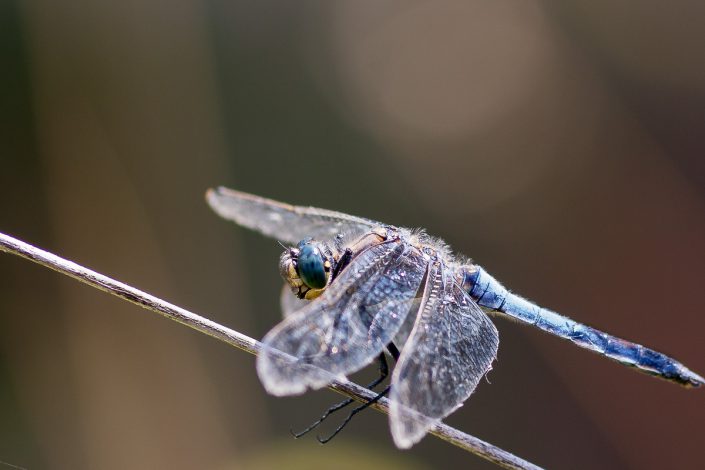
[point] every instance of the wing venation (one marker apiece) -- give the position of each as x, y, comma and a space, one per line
451, 346
283, 221
348, 326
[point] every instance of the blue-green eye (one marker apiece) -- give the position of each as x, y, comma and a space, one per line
311, 266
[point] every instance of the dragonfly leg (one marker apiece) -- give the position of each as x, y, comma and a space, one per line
394, 352
324, 440
383, 373
342, 262
391, 347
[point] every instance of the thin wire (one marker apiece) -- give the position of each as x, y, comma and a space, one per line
17, 247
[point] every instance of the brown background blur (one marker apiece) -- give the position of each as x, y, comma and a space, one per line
558, 143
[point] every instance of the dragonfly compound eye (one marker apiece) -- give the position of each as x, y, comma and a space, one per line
312, 267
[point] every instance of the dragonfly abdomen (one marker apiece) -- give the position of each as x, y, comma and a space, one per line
490, 294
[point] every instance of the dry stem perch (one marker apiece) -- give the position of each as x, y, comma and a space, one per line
464, 441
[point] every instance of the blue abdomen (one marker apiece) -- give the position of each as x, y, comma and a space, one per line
488, 293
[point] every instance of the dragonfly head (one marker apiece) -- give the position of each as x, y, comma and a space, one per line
307, 268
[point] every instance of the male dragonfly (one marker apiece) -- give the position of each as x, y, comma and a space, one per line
368, 287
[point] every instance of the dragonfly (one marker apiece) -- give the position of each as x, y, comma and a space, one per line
362, 287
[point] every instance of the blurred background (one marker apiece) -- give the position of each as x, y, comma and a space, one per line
558, 143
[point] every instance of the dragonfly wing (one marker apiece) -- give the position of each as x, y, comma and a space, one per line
348, 326
451, 347
289, 302
405, 330
282, 221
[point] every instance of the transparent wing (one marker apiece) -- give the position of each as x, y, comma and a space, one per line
289, 302
283, 221
405, 330
348, 326
450, 348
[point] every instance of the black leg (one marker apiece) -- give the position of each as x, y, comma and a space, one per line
394, 352
324, 440
342, 263
383, 373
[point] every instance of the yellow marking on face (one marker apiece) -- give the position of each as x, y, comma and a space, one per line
292, 274
313, 293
